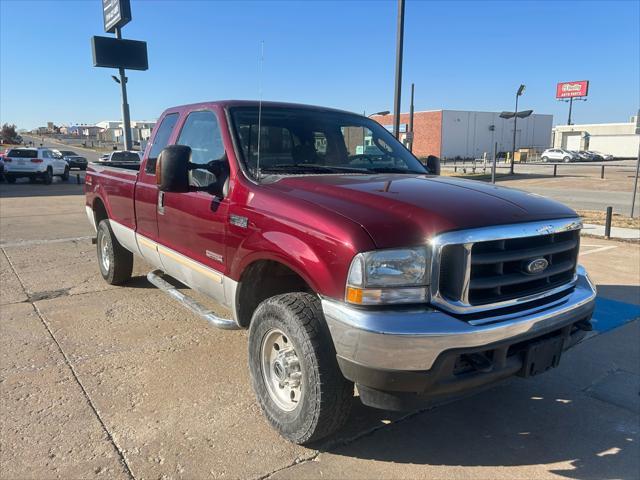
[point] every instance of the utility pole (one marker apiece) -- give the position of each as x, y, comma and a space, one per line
635, 182
399, 43
126, 120
411, 137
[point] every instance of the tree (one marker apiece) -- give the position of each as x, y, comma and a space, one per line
9, 134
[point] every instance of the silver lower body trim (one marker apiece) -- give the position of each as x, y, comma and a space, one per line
412, 339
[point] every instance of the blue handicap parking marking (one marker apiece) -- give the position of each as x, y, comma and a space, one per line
610, 314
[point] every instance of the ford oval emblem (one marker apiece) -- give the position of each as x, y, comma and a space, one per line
537, 265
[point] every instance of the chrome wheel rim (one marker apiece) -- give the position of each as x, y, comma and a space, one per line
104, 253
281, 370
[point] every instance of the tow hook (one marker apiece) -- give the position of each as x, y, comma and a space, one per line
478, 361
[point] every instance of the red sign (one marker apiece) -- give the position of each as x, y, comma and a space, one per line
572, 89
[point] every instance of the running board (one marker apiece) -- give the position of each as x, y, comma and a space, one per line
155, 277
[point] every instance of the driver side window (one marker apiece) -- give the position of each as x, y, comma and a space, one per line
201, 132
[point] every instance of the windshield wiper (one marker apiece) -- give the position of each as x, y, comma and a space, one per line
389, 170
309, 168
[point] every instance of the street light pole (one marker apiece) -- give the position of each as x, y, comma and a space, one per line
399, 42
411, 119
126, 120
515, 124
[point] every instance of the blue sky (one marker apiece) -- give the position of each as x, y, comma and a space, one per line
461, 55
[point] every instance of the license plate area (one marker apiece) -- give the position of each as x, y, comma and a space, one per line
542, 356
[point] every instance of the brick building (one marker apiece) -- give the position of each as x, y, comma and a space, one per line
464, 134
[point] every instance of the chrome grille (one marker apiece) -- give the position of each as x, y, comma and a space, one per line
486, 268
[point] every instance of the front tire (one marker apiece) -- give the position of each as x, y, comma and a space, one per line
11, 179
115, 261
294, 371
65, 175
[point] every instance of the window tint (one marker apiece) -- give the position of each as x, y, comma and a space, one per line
19, 153
201, 132
160, 141
46, 154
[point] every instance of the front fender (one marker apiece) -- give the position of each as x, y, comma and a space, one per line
292, 252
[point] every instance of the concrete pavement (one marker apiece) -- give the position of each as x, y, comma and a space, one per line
121, 382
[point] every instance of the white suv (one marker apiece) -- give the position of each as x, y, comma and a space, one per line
34, 163
559, 155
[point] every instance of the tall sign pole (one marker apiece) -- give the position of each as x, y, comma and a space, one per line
126, 120
399, 43
118, 54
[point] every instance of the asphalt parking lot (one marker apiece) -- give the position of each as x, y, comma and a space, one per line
110, 382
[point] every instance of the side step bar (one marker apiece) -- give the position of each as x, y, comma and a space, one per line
155, 277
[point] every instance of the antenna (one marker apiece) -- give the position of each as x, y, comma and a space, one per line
260, 64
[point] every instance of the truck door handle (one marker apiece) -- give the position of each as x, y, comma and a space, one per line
160, 202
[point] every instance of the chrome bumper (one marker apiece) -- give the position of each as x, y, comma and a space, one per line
412, 339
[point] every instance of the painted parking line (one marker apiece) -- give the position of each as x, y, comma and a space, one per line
610, 314
596, 250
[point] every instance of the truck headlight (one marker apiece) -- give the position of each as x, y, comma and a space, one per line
389, 276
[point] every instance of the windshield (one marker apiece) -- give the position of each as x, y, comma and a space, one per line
308, 141
68, 153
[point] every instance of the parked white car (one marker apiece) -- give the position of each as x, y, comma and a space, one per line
559, 155
34, 163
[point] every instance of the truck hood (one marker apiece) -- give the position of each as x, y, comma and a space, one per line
401, 210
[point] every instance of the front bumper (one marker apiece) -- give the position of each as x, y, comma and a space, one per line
423, 350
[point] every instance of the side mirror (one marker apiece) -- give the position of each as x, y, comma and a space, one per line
172, 169
433, 165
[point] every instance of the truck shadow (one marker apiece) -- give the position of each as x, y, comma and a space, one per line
521, 423
553, 424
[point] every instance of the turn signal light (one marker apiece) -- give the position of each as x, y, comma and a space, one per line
354, 295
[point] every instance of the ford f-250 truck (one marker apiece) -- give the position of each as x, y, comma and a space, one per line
348, 260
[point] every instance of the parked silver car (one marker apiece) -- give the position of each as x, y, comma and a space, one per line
560, 155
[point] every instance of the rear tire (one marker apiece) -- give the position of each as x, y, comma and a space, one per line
566, 159
115, 261
65, 175
11, 179
302, 344
545, 159
48, 176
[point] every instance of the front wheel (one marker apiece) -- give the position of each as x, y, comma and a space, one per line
294, 371
116, 262
11, 179
65, 174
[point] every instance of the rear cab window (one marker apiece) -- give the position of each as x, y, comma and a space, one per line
125, 157
160, 141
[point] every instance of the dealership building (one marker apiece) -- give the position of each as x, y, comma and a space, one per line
617, 139
450, 134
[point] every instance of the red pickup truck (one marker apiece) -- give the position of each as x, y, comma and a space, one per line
349, 261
